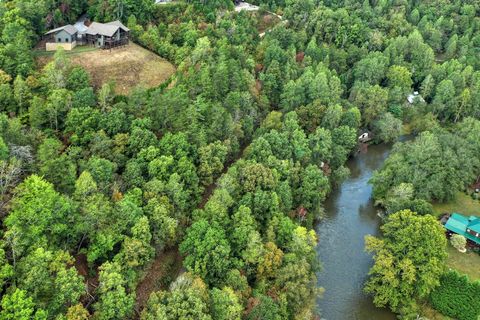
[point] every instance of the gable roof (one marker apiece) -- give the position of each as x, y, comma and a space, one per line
474, 224
106, 29
102, 29
67, 28
459, 223
118, 24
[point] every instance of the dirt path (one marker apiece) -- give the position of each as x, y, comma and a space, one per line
163, 270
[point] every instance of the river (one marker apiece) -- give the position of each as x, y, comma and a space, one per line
349, 216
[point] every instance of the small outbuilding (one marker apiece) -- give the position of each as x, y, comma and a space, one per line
469, 227
414, 97
65, 37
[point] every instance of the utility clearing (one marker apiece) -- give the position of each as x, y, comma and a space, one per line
127, 66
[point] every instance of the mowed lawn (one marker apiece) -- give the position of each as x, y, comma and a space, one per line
462, 203
466, 263
127, 66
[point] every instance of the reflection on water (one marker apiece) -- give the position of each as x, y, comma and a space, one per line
349, 216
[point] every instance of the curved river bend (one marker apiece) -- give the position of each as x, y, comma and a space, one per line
349, 216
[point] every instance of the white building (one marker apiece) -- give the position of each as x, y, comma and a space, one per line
415, 97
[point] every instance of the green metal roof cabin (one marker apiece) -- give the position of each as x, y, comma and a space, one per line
469, 227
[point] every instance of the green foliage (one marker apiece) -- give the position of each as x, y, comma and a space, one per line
6, 270
208, 251
313, 189
225, 305
187, 299
115, 302
20, 306
56, 167
39, 218
50, 280
387, 128
459, 242
409, 260
432, 163
212, 157
136, 250
125, 173
267, 309
456, 296
102, 170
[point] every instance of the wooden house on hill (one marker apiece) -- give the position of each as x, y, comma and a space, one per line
107, 35
102, 35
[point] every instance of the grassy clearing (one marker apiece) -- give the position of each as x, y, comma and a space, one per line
466, 263
127, 66
430, 313
462, 203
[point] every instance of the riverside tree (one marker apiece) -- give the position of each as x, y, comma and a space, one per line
409, 261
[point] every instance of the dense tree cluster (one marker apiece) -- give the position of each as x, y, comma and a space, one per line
249, 227
93, 181
436, 165
403, 269
457, 296
116, 177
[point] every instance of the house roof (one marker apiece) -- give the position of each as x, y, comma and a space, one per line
80, 26
414, 96
67, 28
106, 29
474, 224
119, 24
102, 29
459, 224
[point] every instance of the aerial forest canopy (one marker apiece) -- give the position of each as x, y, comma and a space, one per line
228, 163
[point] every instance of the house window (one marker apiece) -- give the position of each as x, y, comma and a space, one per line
66, 39
59, 39
473, 233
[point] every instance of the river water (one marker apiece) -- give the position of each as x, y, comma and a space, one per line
349, 216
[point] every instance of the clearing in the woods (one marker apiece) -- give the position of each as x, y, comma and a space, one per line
466, 263
127, 66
